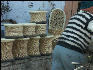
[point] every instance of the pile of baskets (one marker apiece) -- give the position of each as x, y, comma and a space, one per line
30, 39
24, 30
23, 40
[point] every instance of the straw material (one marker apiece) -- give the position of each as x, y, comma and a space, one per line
46, 45
20, 48
54, 41
29, 29
13, 30
38, 16
57, 19
40, 29
55, 32
33, 46
6, 49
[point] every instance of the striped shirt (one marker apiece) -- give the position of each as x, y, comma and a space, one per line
76, 36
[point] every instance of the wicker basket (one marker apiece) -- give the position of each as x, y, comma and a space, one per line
41, 29
29, 29
46, 45
57, 22
38, 16
54, 41
55, 32
20, 48
33, 46
13, 30
57, 19
6, 49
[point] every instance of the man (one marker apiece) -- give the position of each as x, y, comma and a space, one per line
74, 42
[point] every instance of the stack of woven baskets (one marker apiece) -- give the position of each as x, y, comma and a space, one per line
28, 39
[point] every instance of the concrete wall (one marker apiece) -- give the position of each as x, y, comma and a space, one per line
20, 9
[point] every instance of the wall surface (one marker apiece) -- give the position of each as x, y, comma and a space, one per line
20, 9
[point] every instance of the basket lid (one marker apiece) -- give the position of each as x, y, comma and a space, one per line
23, 39
38, 11
29, 24
13, 24
6, 40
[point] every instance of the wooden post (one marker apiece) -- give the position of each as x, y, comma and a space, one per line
70, 9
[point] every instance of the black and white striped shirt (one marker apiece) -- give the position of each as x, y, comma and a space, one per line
77, 36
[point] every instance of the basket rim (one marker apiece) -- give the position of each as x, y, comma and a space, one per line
41, 24
37, 12
13, 24
55, 29
29, 24
6, 40
48, 36
23, 39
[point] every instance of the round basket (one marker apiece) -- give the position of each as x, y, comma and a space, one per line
41, 29
6, 49
46, 45
33, 46
29, 29
20, 48
38, 16
13, 30
55, 32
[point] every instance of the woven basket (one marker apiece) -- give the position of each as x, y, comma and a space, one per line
29, 29
55, 32
20, 48
41, 29
57, 21
13, 30
54, 41
6, 49
38, 16
33, 46
46, 45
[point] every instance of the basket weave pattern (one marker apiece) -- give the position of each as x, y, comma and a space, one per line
20, 48
38, 17
33, 47
6, 50
54, 41
29, 30
46, 45
14, 31
55, 31
40, 29
56, 19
